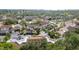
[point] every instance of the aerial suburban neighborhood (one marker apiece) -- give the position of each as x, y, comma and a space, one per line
39, 29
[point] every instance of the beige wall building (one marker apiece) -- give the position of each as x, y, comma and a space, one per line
36, 39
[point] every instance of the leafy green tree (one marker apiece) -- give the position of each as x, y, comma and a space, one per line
37, 30
7, 37
43, 44
9, 22
50, 46
71, 41
9, 46
76, 31
23, 22
6, 46
53, 34
59, 45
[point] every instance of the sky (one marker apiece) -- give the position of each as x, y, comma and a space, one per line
39, 4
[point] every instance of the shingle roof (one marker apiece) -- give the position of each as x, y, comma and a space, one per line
36, 37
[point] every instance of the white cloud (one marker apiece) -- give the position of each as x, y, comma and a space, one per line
39, 4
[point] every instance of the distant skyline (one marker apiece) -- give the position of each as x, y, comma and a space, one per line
40, 4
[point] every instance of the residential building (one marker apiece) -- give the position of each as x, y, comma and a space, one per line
35, 39
17, 27
4, 29
19, 39
30, 18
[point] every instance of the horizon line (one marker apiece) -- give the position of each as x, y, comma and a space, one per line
37, 9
